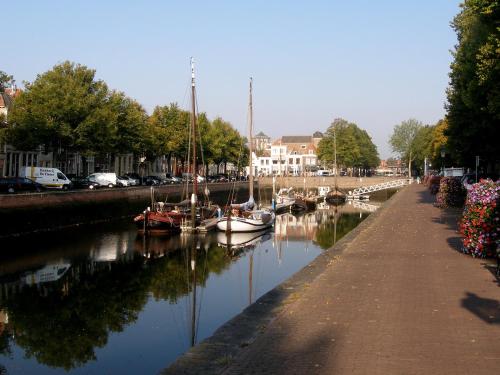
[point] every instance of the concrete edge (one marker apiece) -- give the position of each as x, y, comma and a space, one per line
215, 353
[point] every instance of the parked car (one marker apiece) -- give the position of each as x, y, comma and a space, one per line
169, 180
16, 184
131, 181
104, 179
122, 181
84, 183
151, 180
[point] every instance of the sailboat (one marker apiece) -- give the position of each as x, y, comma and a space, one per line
336, 196
244, 217
187, 215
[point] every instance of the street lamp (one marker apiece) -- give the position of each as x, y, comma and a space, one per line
443, 154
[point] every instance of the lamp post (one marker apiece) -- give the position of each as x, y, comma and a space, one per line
443, 154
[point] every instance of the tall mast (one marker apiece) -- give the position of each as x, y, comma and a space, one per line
250, 131
193, 127
335, 156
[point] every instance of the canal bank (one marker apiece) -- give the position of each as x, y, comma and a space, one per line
393, 296
40, 212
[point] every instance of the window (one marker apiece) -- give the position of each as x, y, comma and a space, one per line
61, 176
303, 146
275, 161
290, 161
297, 161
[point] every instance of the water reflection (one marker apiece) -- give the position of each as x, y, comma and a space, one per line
78, 305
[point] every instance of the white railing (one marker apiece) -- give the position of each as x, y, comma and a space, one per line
385, 185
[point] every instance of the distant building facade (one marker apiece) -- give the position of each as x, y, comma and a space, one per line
391, 167
289, 155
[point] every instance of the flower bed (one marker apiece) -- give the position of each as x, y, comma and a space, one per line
451, 193
480, 224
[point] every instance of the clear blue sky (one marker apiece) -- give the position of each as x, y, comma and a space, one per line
375, 63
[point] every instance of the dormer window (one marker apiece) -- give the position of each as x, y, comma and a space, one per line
303, 146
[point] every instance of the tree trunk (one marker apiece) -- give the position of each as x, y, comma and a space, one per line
409, 166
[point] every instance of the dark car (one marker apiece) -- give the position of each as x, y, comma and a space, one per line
152, 180
15, 184
84, 183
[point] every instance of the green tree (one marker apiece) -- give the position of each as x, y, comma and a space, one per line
51, 108
423, 147
169, 126
403, 140
353, 145
5, 80
473, 108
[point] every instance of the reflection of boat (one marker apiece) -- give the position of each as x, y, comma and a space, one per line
243, 240
51, 272
243, 217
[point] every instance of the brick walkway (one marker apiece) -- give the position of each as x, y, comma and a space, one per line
399, 300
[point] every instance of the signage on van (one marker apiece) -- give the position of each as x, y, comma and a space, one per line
49, 177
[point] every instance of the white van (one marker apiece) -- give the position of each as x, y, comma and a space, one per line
104, 179
322, 172
49, 177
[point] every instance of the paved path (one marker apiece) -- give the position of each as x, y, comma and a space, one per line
399, 300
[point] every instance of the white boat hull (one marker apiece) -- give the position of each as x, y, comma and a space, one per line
243, 224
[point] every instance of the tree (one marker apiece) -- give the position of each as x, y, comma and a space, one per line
403, 140
423, 147
353, 145
5, 80
473, 108
50, 110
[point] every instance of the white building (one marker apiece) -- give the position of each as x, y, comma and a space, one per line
289, 155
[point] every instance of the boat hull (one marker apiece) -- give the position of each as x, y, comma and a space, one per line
243, 224
159, 222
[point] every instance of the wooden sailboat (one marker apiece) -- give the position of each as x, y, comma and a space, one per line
244, 217
187, 215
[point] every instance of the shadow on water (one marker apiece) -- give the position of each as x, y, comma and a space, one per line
488, 310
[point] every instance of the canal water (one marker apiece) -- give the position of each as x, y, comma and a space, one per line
102, 300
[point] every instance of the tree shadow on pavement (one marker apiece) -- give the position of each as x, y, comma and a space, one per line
282, 353
455, 243
426, 197
493, 267
488, 310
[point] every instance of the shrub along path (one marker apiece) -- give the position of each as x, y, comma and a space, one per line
400, 299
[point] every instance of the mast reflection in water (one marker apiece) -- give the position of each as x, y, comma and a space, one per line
102, 300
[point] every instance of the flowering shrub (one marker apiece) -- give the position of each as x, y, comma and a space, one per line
451, 193
480, 224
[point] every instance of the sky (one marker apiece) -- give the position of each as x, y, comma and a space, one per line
374, 63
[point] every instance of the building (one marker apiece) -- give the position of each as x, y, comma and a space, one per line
261, 143
390, 167
289, 155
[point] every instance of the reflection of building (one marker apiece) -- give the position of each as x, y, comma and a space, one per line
290, 227
111, 248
